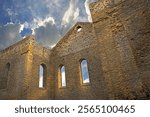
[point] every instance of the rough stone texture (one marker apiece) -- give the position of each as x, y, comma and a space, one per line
68, 52
122, 32
116, 46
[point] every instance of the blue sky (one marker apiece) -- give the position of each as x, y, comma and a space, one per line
48, 20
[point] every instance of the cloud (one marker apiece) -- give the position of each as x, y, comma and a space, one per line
71, 14
21, 28
47, 35
86, 4
48, 20
63, 76
85, 73
41, 73
42, 22
86, 81
70, 17
9, 35
76, 14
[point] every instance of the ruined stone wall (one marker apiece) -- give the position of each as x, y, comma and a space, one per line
116, 46
40, 56
122, 28
77, 45
16, 86
136, 21
80, 37
22, 81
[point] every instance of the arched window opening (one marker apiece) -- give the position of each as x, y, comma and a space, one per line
63, 76
84, 71
7, 69
42, 76
5, 77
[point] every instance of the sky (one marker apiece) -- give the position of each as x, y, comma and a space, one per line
47, 20
85, 73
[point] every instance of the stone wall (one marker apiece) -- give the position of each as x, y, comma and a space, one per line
17, 57
22, 81
74, 47
80, 37
122, 31
40, 56
116, 46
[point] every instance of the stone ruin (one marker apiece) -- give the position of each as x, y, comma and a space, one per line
116, 46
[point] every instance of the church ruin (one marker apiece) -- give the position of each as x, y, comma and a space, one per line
114, 51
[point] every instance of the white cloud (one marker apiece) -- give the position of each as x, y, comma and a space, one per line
43, 22
21, 28
36, 23
87, 10
48, 20
41, 82
86, 4
33, 31
63, 76
44, 30
26, 25
76, 14
41, 73
63, 79
86, 81
71, 13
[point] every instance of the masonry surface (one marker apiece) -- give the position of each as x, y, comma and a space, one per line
116, 46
